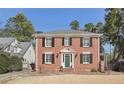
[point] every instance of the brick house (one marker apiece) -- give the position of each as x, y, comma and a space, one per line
63, 50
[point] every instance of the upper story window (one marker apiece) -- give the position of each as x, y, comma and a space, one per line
86, 41
48, 42
86, 58
67, 41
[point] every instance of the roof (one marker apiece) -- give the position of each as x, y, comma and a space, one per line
24, 46
6, 41
67, 32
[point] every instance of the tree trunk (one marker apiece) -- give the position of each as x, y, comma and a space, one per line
114, 53
119, 54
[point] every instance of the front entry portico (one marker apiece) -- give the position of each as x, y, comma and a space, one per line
67, 59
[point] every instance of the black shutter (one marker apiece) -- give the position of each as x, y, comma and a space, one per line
70, 41
81, 59
52, 58
43, 42
43, 58
90, 41
63, 41
81, 41
52, 42
91, 58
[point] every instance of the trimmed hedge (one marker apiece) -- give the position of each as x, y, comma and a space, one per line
9, 63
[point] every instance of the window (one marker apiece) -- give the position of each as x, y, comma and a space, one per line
86, 58
67, 41
48, 58
8, 49
86, 41
48, 42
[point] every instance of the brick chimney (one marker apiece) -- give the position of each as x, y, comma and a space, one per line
93, 30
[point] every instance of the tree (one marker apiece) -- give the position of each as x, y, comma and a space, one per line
114, 31
5, 33
20, 27
99, 27
89, 26
74, 25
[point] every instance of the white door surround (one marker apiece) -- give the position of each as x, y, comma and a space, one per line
67, 55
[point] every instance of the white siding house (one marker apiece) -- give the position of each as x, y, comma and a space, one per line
27, 53
23, 50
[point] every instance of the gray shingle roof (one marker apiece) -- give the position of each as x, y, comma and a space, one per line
24, 46
5, 41
67, 32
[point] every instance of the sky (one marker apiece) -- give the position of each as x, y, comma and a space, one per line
48, 19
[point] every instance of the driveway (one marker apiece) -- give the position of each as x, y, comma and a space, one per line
8, 76
68, 79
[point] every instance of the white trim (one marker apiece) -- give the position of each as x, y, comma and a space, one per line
36, 54
71, 63
86, 63
86, 52
45, 57
67, 50
86, 46
48, 52
68, 39
84, 38
45, 41
71, 35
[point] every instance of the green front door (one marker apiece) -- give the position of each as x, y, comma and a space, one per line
67, 60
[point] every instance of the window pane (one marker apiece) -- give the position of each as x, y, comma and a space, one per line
48, 41
86, 41
86, 58
48, 58
66, 41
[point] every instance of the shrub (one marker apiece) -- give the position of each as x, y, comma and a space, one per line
4, 63
118, 66
9, 63
93, 70
16, 63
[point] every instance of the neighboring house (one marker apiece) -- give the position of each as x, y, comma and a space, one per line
23, 50
67, 50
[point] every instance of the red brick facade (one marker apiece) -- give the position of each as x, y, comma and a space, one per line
77, 66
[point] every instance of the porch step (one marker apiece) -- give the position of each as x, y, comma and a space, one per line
68, 70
